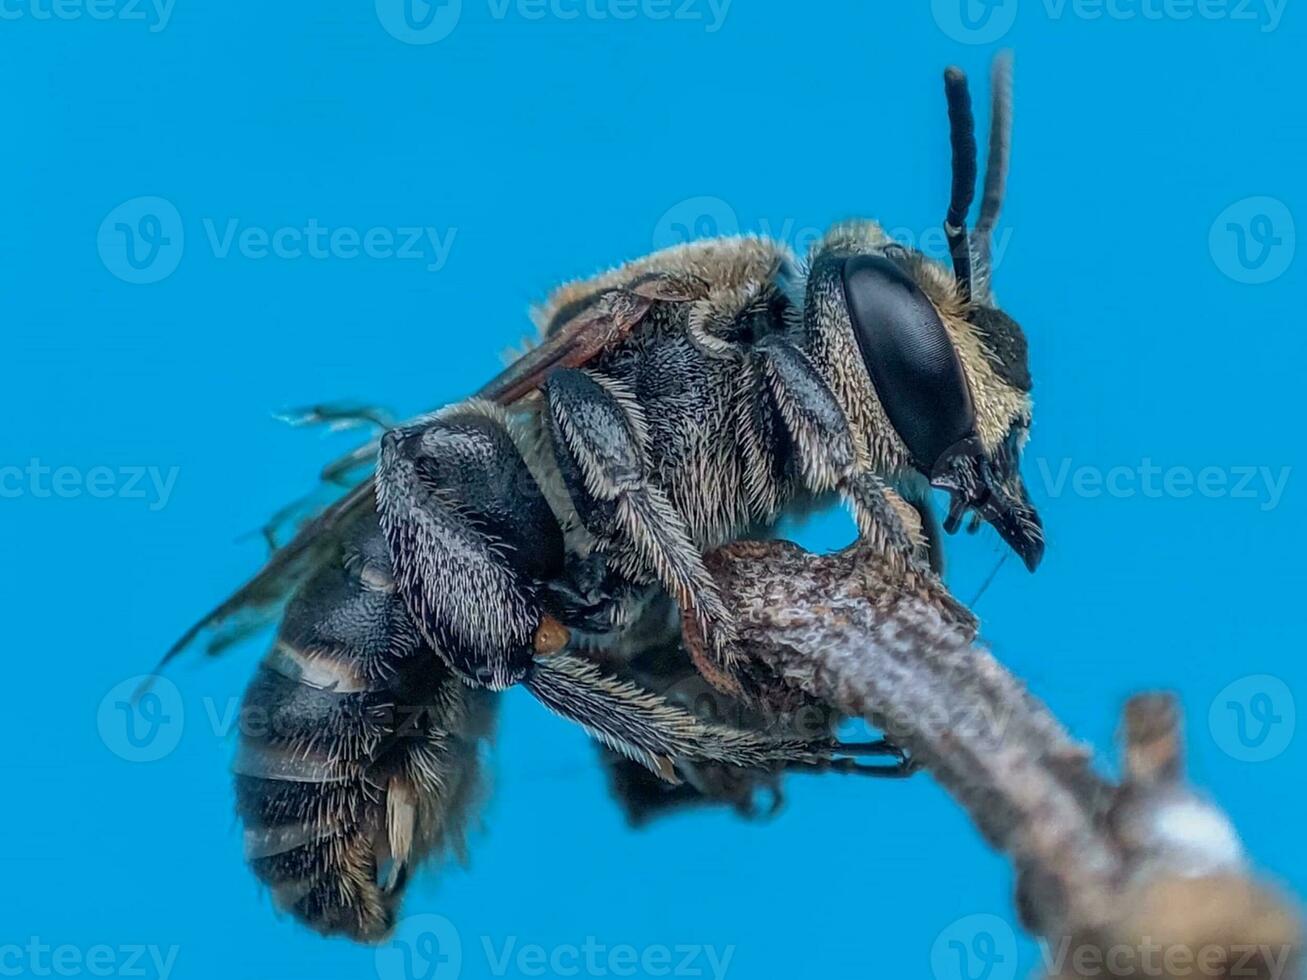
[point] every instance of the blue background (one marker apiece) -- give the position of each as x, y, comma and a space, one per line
554, 147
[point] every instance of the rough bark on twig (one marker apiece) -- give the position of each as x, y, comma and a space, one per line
1145, 866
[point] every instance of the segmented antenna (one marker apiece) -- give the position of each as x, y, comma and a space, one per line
1000, 151
962, 136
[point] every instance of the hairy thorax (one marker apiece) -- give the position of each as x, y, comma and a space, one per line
714, 442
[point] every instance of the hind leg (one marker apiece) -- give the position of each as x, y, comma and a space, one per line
751, 792
473, 543
472, 538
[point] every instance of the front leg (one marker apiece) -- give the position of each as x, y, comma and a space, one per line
809, 412
599, 440
886, 520
827, 457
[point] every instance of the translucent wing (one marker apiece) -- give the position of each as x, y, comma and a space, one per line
259, 601
589, 327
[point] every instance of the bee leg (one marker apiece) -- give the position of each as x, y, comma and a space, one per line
339, 416
281, 526
598, 434
931, 532
651, 730
643, 797
902, 769
837, 760
886, 519
339, 471
664, 737
471, 537
814, 419
809, 411
879, 746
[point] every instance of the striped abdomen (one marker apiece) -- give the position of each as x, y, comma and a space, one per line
358, 753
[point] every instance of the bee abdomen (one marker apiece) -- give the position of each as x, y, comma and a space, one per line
358, 751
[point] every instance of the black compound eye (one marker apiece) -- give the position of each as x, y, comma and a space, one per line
910, 358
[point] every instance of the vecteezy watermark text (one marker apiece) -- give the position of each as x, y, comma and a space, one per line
316, 241
143, 239
1155, 959
152, 484
984, 946
711, 13
706, 216
987, 21
39, 959
429, 21
592, 958
431, 947
1264, 484
155, 14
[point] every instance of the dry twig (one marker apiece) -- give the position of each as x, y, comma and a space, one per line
1146, 867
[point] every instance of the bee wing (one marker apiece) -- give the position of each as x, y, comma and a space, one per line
259, 601
592, 326
588, 328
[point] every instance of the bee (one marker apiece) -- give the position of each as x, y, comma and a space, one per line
550, 532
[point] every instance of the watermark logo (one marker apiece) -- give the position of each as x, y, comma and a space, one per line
419, 21
705, 216
695, 218
424, 947
141, 240
975, 947
1253, 240
974, 21
142, 727
1253, 718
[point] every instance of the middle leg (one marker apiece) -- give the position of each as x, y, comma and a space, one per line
474, 545
599, 439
